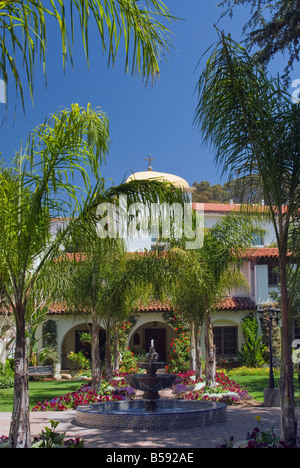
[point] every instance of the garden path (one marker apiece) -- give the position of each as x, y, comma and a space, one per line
240, 421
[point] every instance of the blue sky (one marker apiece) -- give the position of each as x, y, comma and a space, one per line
156, 120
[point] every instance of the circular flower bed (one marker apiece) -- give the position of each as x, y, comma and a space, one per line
186, 387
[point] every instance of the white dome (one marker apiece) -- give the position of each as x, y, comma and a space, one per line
173, 179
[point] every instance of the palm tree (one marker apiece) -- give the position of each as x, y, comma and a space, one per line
97, 284
24, 27
254, 128
70, 145
203, 277
67, 143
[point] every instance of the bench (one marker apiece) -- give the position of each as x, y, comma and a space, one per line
40, 371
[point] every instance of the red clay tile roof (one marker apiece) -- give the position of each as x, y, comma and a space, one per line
156, 307
225, 207
216, 207
260, 252
72, 256
229, 303
236, 303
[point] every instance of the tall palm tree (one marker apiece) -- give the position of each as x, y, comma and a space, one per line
25, 25
201, 278
69, 146
99, 285
66, 144
254, 129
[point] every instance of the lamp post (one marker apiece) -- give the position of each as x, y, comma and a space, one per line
271, 315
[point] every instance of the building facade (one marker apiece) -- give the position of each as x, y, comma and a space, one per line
258, 266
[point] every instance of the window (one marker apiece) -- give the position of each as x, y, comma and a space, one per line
273, 276
226, 340
136, 339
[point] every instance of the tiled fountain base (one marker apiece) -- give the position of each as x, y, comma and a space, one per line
171, 414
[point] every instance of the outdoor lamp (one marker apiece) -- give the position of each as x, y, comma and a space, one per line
271, 315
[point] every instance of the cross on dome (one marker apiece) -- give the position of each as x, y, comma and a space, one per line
149, 159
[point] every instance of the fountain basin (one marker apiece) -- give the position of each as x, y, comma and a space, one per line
152, 366
170, 414
149, 382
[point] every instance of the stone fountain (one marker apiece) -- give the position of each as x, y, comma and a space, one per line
151, 413
151, 382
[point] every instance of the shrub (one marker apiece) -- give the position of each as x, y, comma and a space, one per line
129, 362
253, 349
79, 360
258, 438
179, 357
6, 375
49, 439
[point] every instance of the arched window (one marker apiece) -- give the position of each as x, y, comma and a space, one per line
136, 339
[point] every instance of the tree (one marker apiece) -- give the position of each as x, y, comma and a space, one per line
59, 147
95, 285
274, 28
254, 128
67, 147
206, 193
201, 278
25, 25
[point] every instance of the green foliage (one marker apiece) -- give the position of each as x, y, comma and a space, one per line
50, 439
141, 27
253, 349
273, 27
49, 356
179, 356
129, 362
249, 324
79, 360
49, 332
6, 375
206, 193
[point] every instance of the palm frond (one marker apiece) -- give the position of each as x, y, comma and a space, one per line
24, 26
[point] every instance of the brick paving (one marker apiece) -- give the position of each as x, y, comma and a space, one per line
240, 420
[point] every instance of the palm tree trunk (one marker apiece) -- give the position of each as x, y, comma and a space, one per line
95, 352
198, 370
20, 423
116, 350
210, 351
197, 338
193, 348
108, 367
288, 417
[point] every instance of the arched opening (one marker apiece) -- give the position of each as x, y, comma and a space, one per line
74, 341
160, 332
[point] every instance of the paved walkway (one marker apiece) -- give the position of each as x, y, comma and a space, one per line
240, 421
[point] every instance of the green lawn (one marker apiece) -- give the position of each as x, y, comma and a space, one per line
39, 391
255, 385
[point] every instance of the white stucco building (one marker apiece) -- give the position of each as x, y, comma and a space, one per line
259, 268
